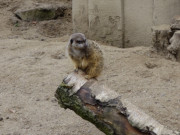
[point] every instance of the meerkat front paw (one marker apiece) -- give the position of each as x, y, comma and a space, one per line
87, 77
76, 70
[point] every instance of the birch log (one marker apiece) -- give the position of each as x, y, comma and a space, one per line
105, 108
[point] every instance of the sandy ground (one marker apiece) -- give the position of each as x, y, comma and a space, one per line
32, 65
31, 70
30, 73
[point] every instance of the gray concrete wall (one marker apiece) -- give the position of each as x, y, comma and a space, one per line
164, 10
138, 22
80, 16
105, 21
122, 23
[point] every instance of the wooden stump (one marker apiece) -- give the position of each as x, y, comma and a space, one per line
174, 48
105, 109
161, 37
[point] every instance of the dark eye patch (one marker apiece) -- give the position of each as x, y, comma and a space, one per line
71, 41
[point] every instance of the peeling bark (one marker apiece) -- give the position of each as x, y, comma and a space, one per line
105, 109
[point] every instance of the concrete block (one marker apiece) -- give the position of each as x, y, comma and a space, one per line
161, 36
138, 22
165, 10
122, 23
80, 16
105, 21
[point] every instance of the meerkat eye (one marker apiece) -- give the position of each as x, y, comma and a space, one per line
79, 41
71, 41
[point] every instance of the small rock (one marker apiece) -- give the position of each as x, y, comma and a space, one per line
34, 22
36, 4
28, 38
24, 28
38, 99
36, 36
150, 65
1, 118
58, 55
14, 20
42, 39
13, 37
16, 133
12, 111
47, 98
54, 100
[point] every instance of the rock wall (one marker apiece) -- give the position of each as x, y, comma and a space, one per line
122, 23
105, 21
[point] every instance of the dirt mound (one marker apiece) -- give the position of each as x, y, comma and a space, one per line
55, 28
14, 27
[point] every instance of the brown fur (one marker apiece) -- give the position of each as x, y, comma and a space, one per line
89, 59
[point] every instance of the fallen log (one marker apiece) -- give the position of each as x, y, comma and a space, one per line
105, 108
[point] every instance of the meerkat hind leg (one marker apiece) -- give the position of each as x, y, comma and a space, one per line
91, 73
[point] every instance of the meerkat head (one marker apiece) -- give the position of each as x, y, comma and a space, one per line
78, 41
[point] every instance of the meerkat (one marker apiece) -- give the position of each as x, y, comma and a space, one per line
86, 55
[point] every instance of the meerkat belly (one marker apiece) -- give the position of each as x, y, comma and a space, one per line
84, 63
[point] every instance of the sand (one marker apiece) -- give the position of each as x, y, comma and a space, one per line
32, 65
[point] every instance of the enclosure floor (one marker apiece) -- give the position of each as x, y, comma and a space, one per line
31, 71
32, 65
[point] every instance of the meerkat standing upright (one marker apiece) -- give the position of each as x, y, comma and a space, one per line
86, 55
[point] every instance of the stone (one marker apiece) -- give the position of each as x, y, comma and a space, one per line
14, 20
1, 118
41, 12
175, 25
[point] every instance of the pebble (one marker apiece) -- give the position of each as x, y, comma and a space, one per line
1, 118
150, 65
16, 133
37, 99
54, 100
